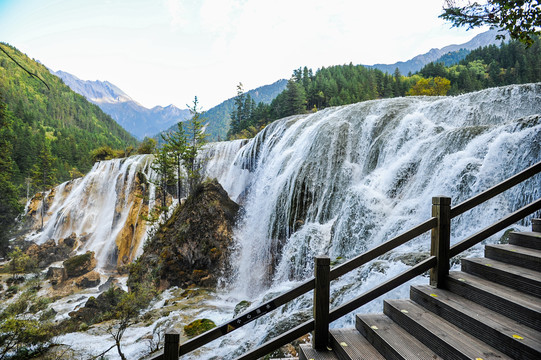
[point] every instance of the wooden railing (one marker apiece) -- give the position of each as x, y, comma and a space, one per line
437, 263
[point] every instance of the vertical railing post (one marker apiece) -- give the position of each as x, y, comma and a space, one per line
536, 225
171, 346
322, 269
441, 238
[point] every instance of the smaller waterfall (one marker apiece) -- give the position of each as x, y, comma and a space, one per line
104, 209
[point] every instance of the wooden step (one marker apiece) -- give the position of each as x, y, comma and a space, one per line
524, 308
307, 353
391, 340
526, 239
516, 255
444, 338
536, 225
349, 344
507, 335
516, 277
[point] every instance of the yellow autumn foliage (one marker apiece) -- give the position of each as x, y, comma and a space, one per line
438, 86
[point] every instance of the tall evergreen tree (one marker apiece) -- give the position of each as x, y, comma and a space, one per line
175, 145
295, 102
44, 173
238, 112
196, 138
163, 167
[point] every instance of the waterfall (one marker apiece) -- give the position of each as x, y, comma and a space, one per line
103, 209
345, 179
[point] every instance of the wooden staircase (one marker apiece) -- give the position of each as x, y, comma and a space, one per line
489, 310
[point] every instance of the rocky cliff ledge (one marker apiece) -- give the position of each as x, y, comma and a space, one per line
193, 246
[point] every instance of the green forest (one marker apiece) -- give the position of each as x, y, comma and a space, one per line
510, 63
47, 132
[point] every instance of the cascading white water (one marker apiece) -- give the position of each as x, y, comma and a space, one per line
344, 179
98, 206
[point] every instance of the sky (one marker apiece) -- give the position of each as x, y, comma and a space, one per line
163, 52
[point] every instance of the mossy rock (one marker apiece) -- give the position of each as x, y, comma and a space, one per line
80, 264
505, 237
198, 327
241, 307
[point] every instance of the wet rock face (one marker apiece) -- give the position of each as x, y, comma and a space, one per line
50, 252
133, 231
193, 247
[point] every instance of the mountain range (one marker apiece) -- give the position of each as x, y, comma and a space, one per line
416, 63
132, 116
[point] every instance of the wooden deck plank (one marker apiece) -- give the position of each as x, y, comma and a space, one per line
349, 344
514, 304
516, 277
306, 352
514, 254
392, 340
507, 335
526, 239
444, 338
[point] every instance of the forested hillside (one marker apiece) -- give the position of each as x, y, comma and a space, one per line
47, 130
490, 66
510, 63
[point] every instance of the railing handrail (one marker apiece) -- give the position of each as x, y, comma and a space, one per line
364, 258
305, 287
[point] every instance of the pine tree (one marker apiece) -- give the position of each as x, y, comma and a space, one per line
295, 102
237, 114
163, 167
175, 145
398, 88
44, 173
196, 138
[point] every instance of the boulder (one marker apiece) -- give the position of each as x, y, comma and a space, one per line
241, 307
49, 252
80, 264
69, 242
95, 308
89, 280
56, 275
198, 327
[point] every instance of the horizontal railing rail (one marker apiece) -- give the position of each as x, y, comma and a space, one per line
246, 317
342, 310
437, 263
304, 288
